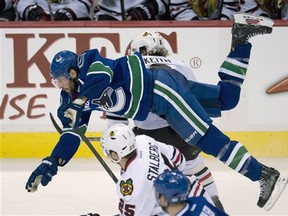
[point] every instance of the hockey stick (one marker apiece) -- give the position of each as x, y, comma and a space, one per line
90, 146
59, 130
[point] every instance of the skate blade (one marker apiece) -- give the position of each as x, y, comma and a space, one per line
278, 190
250, 19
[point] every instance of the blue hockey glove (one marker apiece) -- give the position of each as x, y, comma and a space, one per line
42, 174
74, 113
61, 113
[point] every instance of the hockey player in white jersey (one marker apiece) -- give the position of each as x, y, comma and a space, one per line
203, 9
275, 9
141, 159
154, 50
7, 11
61, 10
134, 10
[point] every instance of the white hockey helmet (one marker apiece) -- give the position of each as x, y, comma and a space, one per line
153, 43
120, 139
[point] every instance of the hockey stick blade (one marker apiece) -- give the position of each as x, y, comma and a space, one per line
90, 146
278, 190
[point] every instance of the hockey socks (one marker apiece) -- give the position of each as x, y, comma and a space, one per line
232, 153
234, 68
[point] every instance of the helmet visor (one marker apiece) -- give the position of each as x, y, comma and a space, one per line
60, 82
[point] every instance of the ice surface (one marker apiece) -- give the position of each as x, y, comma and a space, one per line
83, 186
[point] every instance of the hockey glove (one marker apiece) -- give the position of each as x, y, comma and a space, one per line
75, 112
34, 13
62, 115
42, 174
64, 15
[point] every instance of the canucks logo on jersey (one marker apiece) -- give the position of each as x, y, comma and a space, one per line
105, 102
126, 188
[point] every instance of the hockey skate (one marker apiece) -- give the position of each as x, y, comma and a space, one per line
271, 187
247, 26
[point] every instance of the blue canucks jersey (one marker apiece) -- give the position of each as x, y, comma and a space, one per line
118, 86
122, 86
200, 206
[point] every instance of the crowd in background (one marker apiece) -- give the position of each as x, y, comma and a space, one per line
69, 10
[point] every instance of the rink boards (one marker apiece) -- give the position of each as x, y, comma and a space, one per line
259, 122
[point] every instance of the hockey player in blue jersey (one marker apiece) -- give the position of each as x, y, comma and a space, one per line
172, 190
125, 87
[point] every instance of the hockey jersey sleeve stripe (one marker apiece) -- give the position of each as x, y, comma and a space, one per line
98, 68
178, 157
195, 188
136, 85
205, 177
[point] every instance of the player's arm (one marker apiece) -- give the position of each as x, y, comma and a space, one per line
173, 155
64, 150
74, 10
30, 10
149, 10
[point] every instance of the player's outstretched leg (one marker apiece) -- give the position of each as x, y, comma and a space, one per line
247, 26
233, 70
237, 157
271, 187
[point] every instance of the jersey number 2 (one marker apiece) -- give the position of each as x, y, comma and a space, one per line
126, 209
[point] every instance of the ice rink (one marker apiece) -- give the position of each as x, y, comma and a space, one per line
83, 186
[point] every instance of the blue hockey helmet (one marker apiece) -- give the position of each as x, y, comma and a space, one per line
61, 64
174, 185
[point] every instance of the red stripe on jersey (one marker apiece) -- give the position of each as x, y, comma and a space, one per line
177, 159
196, 190
205, 177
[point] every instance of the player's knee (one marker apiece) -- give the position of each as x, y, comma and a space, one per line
229, 95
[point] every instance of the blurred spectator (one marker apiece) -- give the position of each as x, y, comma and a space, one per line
256, 7
275, 9
133, 10
284, 10
203, 9
37, 10
7, 11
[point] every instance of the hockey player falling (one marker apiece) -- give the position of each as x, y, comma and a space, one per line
125, 87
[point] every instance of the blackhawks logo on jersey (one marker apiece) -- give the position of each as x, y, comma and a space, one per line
126, 187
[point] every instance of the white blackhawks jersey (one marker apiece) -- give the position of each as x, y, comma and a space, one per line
113, 7
81, 8
135, 187
251, 6
181, 10
153, 121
